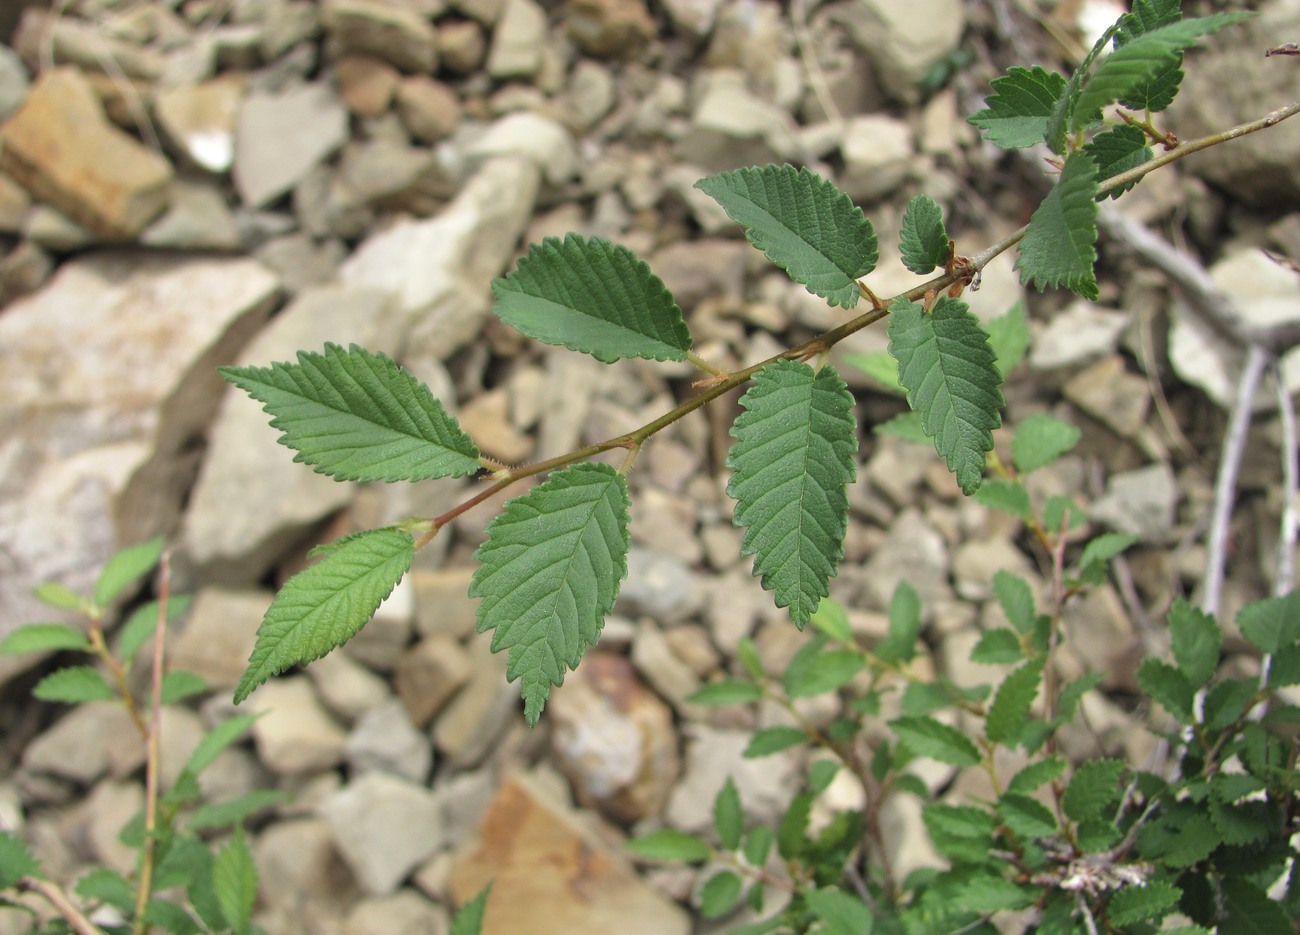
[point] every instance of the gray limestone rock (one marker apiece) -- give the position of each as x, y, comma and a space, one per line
1078, 335
517, 40
396, 33
731, 126
1140, 502
902, 40
295, 734
280, 137
384, 828
385, 740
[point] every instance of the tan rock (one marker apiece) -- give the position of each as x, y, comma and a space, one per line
199, 120
442, 602
429, 674
366, 84
461, 46
14, 202
609, 28
469, 726
295, 733
219, 634
429, 109
553, 874
61, 148
394, 32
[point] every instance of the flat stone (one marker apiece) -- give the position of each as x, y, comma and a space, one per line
405, 911
61, 147
430, 110
295, 734
384, 828
658, 585
517, 40
654, 659
300, 261
13, 82
385, 740
14, 204
397, 34
1109, 393
461, 46
552, 874
348, 688
913, 551
469, 725
280, 137
300, 866
218, 635
541, 140
52, 229
1079, 335
442, 602
903, 40
694, 17
78, 745
366, 84
713, 754
429, 674
93, 429
23, 270
592, 92
878, 156
199, 120
614, 739
198, 218
609, 28
1140, 502
381, 642
975, 563
731, 126
245, 463
100, 818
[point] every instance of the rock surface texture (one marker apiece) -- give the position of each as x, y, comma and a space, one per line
186, 185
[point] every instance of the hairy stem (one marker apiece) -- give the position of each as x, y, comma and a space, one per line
153, 756
55, 896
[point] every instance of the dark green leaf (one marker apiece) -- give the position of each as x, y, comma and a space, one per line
1117, 151
1197, 640
904, 625
923, 240
999, 646
1168, 686
354, 415
1250, 911
839, 912
1285, 669
792, 463
1009, 337
43, 637
946, 364
1037, 774
1027, 818
1017, 111
551, 569
925, 736
590, 295
1226, 702
1041, 439
1058, 248
171, 917
74, 685
324, 606
960, 832
803, 223
469, 918
768, 740
1272, 623
986, 892
925, 697
1059, 122
16, 861
728, 691
792, 832
1011, 704
125, 568
1154, 900
669, 845
719, 894
1009, 496
1093, 789
728, 817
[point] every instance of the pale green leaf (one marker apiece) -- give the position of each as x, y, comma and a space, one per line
1036, 775
1009, 337
60, 597
923, 240
325, 605
1017, 111
879, 366
1041, 439
218, 739
823, 672
904, 625
803, 223
758, 844
1196, 639
946, 364
550, 571
590, 295
669, 845
998, 646
43, 637
234, 878
107, 886
925, 736
907, 426
1154, 900
830, 618
1016, 599
74, 685
840, 912
1093, 788
769, 740
125, 568
725, 692
216, 815
355, 415
792, 463
728, 816
469, 918
1010, 708
179, 685
985, 891
1272, 623
1103, 548
1009, 496
719, 893
1059, 121
16, 861
142, 625
1059, 248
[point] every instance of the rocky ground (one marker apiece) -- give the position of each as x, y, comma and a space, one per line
187, 184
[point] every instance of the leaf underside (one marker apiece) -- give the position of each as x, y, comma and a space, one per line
792, 462
948, 369
1017, 111
1059, 248
356, 415
550, 571
592, 296
325, 605
923, 240
803, 223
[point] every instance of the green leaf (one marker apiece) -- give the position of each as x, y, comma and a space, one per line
469, 918
1105, 547
923, 240
769, 740
824, 672
60, 597
879, 366
725, 692
590, 295
925, 736
125, 568
1073, 692
218, 739
946, 364
792, 832
141, 626
225, 814
1226, 702
106, 886
821, 774
792, 463
1197, 641
1158, 92
1059, 247
1129, 68
719, 893
1009, 496
1016, 599
1027, 818
728, 817
925, 697
1093, 788
830, 618
16, 861
354, 415
1037, 774
74, 685
1117, 151
667, 844
998, 646
1055, 510
43, 637
1272, 623
1009, 337
904, 625
758, 844
1188, 842
747, 652
179, 685
1250, 911
803, 223
1010, 708
1040, 440
986, 891
1058, 123
1155, 900
959, 832
1017, 111
905, 425
1168, 686
840, 913
550, 571
235, 881
171, 918
1285, 669
323, 606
